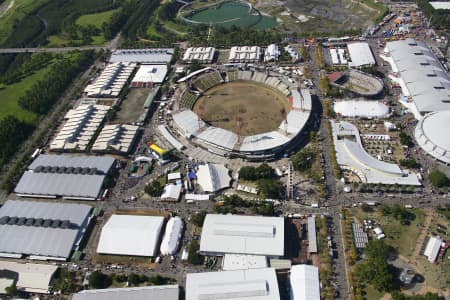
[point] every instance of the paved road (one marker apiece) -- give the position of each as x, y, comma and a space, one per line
54, 50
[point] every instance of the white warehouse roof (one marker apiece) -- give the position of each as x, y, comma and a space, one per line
253, 284
360, 55
361, 108
242, 235
153, 55
432, 136
159, 292
150, 74
305, 283
243, 262
213, 177
130, 235
440, 4
31, 278
172, 236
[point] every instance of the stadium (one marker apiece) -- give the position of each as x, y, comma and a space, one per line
235, 113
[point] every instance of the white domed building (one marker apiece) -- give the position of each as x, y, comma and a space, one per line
432, 135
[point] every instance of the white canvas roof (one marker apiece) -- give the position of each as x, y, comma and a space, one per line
305, 283
171, 191
440, 4
159, 292
253, 284
213, 177
361, 108
130, 235
172, 236
242, 235
32, 278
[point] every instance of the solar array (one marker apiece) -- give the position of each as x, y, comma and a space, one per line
359, 236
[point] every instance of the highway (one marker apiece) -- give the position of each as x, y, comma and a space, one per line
52, 50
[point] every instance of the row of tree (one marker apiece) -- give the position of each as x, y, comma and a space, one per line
44, 93
12, 133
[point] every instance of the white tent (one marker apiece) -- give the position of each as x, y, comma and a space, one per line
213, 177
361, 108
432, 248
171, 192
170, 241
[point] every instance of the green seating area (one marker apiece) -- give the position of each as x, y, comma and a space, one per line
188, 99
232, 75
207, 81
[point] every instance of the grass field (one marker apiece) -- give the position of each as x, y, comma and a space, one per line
96, 19
10, 94
258, 105
12, 11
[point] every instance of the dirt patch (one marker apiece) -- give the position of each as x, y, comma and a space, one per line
132, 105
258, 106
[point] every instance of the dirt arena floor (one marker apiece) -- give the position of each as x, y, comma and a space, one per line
258, 105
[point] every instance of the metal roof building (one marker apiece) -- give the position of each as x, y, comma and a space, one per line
30, 278
312, 237
432, 248
213, 177
147, 75
420, 75
305, 283
244, 54
163, 55
243, 262
360, 55
41, 230
432, 136
254, 235
252, 284
68, 176
359, 236
200, 54
159, 292
80, 125
115, 138
440, 4
130, 235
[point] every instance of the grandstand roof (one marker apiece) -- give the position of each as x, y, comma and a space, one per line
150, 74
219, 137
188, 122
78, 177
31, 278
351, 154
254, 235
305, 283
361, 108
130, 235
360, 54
213, 177
159, 292
432, 136
170, 138
423, 78
263, 141
252, 284
25, 228
142, 55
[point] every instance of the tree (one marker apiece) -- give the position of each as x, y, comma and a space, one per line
64, 281
303, 159
133, 279
98, 280
378, 248
198, 218
11, 290
269, 188
264, 171
247, 173
408, 163
154, 189
194, 257
377, 272
438, 179
405, 139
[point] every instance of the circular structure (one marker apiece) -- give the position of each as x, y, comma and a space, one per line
260, 107
239, 113
432, 136
225, 13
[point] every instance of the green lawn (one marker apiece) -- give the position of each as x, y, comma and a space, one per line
55, 41
16, 12
96, 19
10, 94
372, 293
